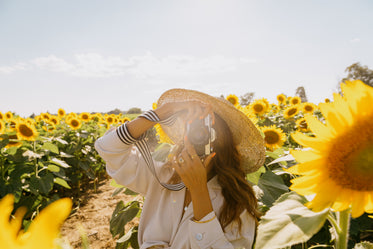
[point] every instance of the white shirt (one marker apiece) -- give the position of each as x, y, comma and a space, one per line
161, 221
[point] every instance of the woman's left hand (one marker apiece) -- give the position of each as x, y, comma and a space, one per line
192, 171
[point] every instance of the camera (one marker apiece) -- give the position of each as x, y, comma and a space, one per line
200, 134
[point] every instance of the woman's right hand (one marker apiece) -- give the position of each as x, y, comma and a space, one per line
190, 110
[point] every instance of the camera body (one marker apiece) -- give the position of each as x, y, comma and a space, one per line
200, 134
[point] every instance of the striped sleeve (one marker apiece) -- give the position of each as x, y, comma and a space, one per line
124, 135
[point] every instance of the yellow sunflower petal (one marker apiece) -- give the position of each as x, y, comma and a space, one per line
16, 222
305, 185
308, 141
358, 204
343, 200
369, 205
306, 167
303, 156
45, 228
321, 201
318, 128
335, 116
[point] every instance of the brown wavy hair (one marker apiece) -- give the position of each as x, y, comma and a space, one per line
237, 191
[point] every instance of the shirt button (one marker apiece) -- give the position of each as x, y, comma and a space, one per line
199, 236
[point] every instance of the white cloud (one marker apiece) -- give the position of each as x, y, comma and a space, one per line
14, 68
355, 40
144, 66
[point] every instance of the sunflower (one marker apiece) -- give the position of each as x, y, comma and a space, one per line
61, 113
281, 98
233, 99
85, 116
163, 138
74, 123
258, 107
125, 119
301, 125
308, 107
338, 168
274, 137
110, 119
45, 116
327, 100
14, 141
291, 111
49, 127
2, 126
2, 117
295, 100
55, 120
26, 131
8, 116
43, 230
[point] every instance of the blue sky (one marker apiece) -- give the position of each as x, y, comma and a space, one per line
90, 55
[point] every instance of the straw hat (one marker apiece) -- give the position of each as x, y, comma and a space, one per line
246, 136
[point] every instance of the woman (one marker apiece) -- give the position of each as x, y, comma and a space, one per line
217, 207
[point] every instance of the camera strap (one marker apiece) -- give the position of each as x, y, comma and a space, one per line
142, 145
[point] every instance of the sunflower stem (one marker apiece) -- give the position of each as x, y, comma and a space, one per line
332, 219
343, 219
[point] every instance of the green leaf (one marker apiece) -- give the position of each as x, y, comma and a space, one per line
272, 186
288, 222
122, 215
4, 140
50, 147
12, 151
114, 184
42, 184
60, 163
126, 236
130, 192
117, 191
63, 154
254, 177
53, 168
62, 182
282, 160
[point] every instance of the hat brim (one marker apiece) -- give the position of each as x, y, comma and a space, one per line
246, 137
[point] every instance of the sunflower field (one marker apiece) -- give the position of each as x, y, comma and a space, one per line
315, 188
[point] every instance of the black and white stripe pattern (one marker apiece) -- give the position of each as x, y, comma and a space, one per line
125, 136
152, 116
143, 147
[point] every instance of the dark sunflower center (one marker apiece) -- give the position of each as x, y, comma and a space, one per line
292, 111
271, 137
74, 123
258, 108
295, 101
281, 99
308, 108
303, 124
85, 116
350, 160
25, 130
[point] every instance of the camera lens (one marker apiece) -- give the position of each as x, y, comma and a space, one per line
199, 136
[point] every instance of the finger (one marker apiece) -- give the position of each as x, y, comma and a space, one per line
185, 155
177, 166
208, 159
190, 149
